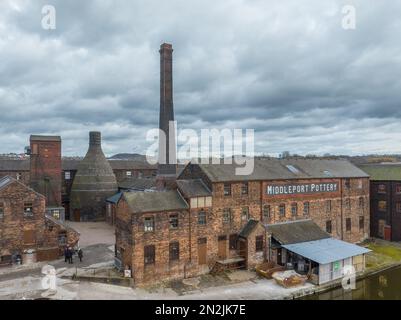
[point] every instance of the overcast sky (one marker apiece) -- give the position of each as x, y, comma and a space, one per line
289, 71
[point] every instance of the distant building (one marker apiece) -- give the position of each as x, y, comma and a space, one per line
385, 200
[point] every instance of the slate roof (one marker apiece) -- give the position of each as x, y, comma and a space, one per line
296, 232
248, 228
383, 172
137, 183
193, 188
115, 198
7, 180
276, 169
155, 201
14, 165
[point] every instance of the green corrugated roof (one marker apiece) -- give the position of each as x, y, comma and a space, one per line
383, 172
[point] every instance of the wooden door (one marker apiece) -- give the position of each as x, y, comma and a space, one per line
202, 253
222, 248
29, 237
77, 215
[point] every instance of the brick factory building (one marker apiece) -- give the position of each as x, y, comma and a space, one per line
26, 233
127, 172
385, 200
216, 219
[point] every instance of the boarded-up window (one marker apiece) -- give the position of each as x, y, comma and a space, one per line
174, 251
149, 255
348, 224
259, 243
233, 241
29, 236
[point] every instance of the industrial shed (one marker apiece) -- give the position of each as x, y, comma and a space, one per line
310, 250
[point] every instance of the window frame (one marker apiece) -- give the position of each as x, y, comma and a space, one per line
259, 243
227, 189
282, 210
227, 216
202, 218
148, 228
244, 188
306, 208
149, 255
329, 226
173, 220
28, 205
233, 241
348, 225
174, 251
294, 205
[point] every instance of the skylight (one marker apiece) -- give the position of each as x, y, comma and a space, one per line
292, 168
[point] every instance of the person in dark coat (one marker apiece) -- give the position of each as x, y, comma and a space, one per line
65, 254
70, 255
80, 254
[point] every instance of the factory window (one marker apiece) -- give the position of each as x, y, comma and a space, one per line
348, 224
381, 188
306, 208
28, 209
294, 209
292, 169
348, 183
149, 255
361, 223
233, 241
266, 212
244, 188
1, 211
245, 214
19, 176
56, 214
201, 202
227, 189
360, 184
149, 224
282, 210
328, 206
174, 251
67, 175
328, 226
397, 206
398, 188
226, 216
258, 243
202, 218
361, 203
348, 203
382, 206
174, 221
128, 173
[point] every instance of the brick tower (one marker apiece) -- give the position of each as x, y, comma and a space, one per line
167, 168
46, 170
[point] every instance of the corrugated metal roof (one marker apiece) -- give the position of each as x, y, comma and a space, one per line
155, 201
296, 231
383, 172
278, 169
326, 250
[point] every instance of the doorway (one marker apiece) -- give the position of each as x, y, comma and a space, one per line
222, 247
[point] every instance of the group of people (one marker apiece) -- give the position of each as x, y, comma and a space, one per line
69, 253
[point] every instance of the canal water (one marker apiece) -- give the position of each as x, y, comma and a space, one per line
382, 286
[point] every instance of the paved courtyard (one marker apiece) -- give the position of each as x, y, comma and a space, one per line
93, 233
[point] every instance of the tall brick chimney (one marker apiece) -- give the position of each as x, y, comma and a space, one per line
166, 174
